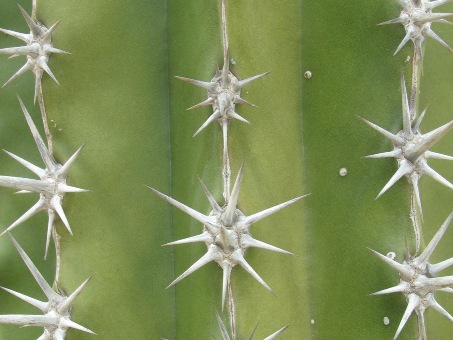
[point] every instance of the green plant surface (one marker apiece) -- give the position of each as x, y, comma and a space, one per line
118, 97
115, 99
438, 200
105, 94
354, 73
268, 179
15, 137
357, 75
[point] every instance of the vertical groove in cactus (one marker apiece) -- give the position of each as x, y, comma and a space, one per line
353, 73
118, 95
436, 95
114, 98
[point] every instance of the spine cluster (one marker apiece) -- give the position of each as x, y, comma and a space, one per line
419, 280
226, 229
51, 187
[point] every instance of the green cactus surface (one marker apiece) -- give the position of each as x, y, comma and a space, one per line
118, 96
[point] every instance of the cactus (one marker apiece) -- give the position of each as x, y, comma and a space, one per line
119, 97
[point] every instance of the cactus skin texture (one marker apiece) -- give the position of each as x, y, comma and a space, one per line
119, 96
